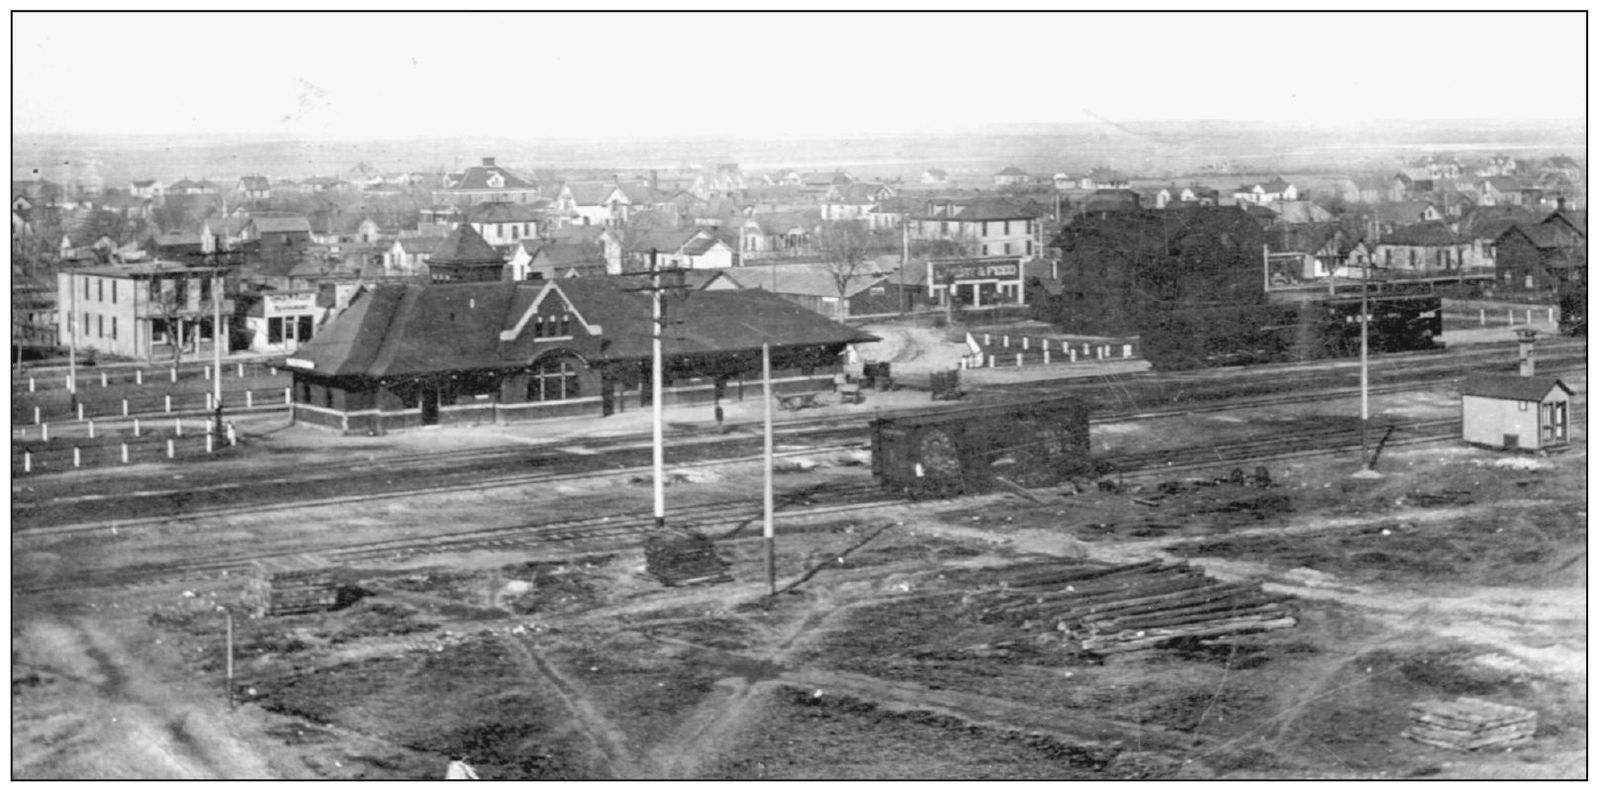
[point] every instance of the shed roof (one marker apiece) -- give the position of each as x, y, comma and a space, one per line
1511, 387
464, 245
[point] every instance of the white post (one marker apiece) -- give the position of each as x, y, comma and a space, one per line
242, 370
80, 410
167, 401
178, 427
1019, 359
1551, 317
1529, 315
1045, 358
139, 376
44, 432
125, 453
768, 476
1510, 317
1125, 351
247, 399
1086, 350
657, 393
206, 373
1005, 341
91, 429
77, 457
36, 416
30, 384
1482, 316
1064, 346
208, 399
172, 374
286, 396
136, 426
1072, 355
69, 383
231, 437
102, 379
208, 439
169, 449
991, 361
125, 407
27, 461
273, 370
208, 428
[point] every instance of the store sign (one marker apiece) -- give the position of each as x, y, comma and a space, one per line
980, 271
291, 303
294, 362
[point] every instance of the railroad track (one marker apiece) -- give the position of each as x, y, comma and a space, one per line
622, 530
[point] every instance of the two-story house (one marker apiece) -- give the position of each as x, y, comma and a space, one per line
686, 248
984, 226
503, 223
141, 310
147, 188
1263, 193
486, 181
1011, 176
254, 188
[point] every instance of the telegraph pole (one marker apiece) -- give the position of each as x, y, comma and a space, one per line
768, 476
218, 339
657, 392
902, 275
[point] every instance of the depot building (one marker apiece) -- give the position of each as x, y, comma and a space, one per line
405, 356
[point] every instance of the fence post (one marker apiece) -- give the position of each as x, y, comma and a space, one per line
102, 378
206, 373
1045, 358
91, 429
27, 461
1005, 341
1064, 347
70, 388
1551, 318
247, 399
172, 374
208, 442
167, 401
1019, 359
1510, 317
80, 410
1125, 351
242, 370
169, 449
136, 426
208, 402
139, 376
286, 396
1529, 315
986, 338
1072, 355
125, 453
991, 361
36, 416
44, 432
30, 384
231, 437
178, 427
77, 457
1086, 350
273, 370
125, 407
1482, 316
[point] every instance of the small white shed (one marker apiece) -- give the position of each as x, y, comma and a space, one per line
1515, 412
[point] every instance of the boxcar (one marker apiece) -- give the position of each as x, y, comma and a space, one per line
966, 451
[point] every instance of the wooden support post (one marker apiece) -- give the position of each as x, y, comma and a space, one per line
80, 410
125, 453
178, 427
103, 379
172, 374
1019, 359
77, 457
247, 399
139, 376
169, 449
167, 402
242, 370
125, 407
27, 461
136, 426
91, 429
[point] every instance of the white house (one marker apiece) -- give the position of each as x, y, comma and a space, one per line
1265, 192
687, 248
1515, 412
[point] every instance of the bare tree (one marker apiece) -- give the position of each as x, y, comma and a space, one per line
846, 245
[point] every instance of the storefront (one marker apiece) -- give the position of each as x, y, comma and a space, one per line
976, 282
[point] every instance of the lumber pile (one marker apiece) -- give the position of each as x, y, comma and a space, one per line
1471, 724
683, 557
1112, 609
291, 585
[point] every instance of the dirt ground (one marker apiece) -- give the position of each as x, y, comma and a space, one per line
1458, 571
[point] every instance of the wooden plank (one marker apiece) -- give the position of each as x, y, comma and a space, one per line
1166, 619
1108, 645
1139, 603
1108, 593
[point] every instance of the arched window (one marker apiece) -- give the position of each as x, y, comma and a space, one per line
554, 380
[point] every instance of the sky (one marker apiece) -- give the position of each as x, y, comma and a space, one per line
368, 76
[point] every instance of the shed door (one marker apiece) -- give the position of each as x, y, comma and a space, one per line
1551, 423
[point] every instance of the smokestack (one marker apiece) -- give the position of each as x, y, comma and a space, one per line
1524, 342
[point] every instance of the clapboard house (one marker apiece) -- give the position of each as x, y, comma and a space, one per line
404, 355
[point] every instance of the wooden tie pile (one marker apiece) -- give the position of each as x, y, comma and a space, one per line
1471, 724
290, 585
683, 557
1111, 609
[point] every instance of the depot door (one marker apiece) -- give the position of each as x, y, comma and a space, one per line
429, 405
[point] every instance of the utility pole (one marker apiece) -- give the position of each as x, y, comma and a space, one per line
1365, 353
657, 392
768, 476
218, 339
902, 273
72, 338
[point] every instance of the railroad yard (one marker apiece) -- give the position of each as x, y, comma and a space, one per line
1228, 600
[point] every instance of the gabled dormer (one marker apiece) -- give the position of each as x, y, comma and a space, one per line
551, 316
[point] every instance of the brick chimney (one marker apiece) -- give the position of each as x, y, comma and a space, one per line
1524, 342
1560, 203
488, 162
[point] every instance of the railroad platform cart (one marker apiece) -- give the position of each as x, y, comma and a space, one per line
966, 451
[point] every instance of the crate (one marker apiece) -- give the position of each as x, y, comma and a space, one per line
290, 585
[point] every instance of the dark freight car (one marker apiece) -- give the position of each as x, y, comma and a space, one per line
966, 451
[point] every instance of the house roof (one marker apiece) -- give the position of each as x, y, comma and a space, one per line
669, 241
477, 177
500, 211
1300, 212
816, 278
464, 245
569, 254
1010, 171
1422, 234
414, 245
1576, 218
282, 224
1402, 212
405, 329
1542, 236
780, 223
255, 182
979, 209
584, 233
143, 183
1489, 222
1511, 387
590, 193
